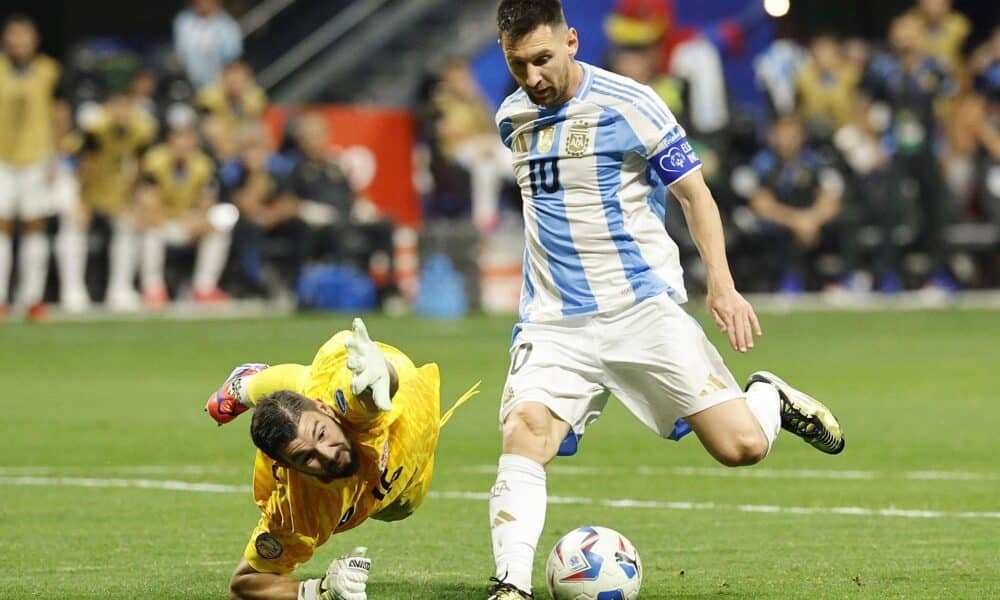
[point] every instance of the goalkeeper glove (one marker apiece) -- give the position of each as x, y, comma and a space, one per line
232, 399
346, 579
367, 363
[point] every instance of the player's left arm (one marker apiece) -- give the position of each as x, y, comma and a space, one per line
732, 313
374, 379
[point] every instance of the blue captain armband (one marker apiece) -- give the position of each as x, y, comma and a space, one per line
675, 161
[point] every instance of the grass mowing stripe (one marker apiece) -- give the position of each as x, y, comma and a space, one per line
215, 488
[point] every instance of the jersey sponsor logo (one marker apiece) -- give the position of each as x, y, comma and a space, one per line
385, 483
579, 139
267, 547
546, 139
341, 401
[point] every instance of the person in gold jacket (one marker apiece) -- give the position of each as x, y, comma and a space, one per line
945, 32
114, 139
827, 86
28, 84
348, 438
177, 197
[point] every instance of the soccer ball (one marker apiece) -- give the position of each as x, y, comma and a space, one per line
594, 563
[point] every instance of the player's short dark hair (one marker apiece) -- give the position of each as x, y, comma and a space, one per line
275, 421
518, 18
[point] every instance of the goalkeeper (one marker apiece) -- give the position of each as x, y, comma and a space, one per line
349, 437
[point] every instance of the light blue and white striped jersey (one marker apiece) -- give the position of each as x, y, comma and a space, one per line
592, 175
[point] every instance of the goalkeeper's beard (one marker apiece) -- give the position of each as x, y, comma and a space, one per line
334, 471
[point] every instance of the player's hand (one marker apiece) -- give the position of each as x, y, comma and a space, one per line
347, 577
232, 398
367, 363
735, 317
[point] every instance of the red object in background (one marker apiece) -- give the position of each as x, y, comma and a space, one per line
375, 147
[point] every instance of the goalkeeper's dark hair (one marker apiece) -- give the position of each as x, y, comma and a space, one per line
275, 421
518, 18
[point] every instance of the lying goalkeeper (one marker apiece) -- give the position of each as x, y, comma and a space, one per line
349, 437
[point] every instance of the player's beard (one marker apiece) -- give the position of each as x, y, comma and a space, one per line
350, 468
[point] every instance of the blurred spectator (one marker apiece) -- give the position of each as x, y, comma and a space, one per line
983, 119
903, 85
945, 32
347, 229
776, 71
827, 87
176, 200
690, 54
273, 242
28, 113
142, 90
466, 134
235, 98
206, 39
115, 137
641, 63
798, 196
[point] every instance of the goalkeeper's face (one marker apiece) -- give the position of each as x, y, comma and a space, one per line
320, 447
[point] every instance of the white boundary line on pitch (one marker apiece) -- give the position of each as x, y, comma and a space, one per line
753, 473
556, 469
215, 488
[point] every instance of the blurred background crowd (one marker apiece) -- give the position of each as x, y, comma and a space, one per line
343, 155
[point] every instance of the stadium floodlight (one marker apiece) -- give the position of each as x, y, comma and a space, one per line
777, 8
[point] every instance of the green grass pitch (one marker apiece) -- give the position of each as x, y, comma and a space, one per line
910, 510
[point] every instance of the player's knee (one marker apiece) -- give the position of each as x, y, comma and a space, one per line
745, 449
528, 431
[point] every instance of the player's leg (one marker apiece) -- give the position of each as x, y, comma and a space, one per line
71, 243
121, 294
551, 394
7, 194
663, 367
34, 204
153, 224
213, 251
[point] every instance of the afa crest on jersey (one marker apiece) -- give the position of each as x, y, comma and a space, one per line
578, 141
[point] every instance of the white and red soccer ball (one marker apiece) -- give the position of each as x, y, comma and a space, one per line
594, 563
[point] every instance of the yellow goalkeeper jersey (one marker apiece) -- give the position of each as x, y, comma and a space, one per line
300, 512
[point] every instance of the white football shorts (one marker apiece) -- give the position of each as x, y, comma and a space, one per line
25, 192
652, 356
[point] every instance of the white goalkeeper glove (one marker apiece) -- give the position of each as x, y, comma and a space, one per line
367, 363
346, 579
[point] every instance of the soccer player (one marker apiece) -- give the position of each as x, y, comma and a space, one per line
600, 309
347, 438
175, 197
28, 83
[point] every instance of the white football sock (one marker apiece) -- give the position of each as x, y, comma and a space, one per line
213, 250
154, 257
121, 277
765, 404
71, 251
6, 250
517, 516
33, 268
